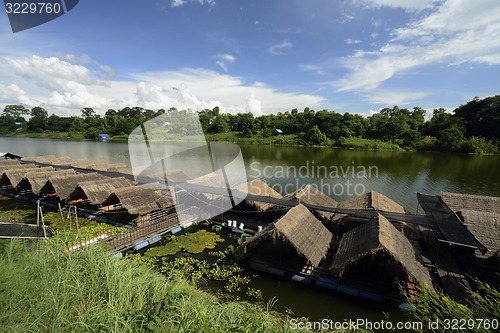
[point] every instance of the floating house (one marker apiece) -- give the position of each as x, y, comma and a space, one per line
481, 216
260, 188
377, 257
62, 185
94, 192
293, 243
32, 182
374, 201
311, 195
12, 177
144, 203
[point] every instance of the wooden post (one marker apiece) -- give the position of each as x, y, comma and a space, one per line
43, 221
38, 213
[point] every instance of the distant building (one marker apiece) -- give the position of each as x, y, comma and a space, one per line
103, 137
277, 131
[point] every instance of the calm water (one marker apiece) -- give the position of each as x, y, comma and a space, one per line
339, 173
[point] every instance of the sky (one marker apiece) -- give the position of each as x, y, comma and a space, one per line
259, 56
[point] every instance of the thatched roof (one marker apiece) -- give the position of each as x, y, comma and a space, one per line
372, 200
36, 180
9, 162
40, 159
14, 176
212, 179
139, 199
377, 236
109, 167
96, 191
312, 195
259, 187
481, 215
485, 226
10, 166
65, 184
458, 202
302, 230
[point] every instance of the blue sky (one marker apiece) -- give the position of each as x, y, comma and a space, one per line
255, 56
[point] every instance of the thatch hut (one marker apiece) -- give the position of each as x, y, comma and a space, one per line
481, 215
15, 166
5, 162
458, 202
372, 200
212, 179
96, 191
297, 232
259, 187
311, 195
376, 201
12, 177
145, 202
46, 159
376, 254
34, 181
62, 185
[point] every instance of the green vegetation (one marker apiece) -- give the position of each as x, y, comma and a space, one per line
46, 290
472, 127
63, 231
481, 314
225, 269
191, 242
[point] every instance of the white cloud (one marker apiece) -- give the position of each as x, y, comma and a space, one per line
224, 59
352, 41
64, 88
315, 68
280, 48
253, 105
179, 3
404, 4
458, 31
393, 97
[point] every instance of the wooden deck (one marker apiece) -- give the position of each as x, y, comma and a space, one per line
126, 240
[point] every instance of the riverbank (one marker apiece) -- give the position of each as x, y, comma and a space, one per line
235, 137
478, 147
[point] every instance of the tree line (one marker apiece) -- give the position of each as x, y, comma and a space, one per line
473, 127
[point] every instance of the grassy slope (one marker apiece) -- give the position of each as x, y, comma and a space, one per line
47, 290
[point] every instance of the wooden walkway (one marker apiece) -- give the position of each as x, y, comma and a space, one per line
127, 240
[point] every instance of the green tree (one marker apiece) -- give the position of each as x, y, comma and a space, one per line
314, 136
15, 111
38, 120
452, 138
88, 113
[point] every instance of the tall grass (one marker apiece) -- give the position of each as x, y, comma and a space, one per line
43, 289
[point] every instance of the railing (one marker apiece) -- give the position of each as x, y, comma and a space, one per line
126, 238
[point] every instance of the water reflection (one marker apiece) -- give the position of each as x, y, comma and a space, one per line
400, 174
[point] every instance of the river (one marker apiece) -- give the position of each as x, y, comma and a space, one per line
340, 173
337, 172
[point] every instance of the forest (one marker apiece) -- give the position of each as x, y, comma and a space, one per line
473, 127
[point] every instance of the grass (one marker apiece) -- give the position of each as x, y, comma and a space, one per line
359, 143
47, 290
